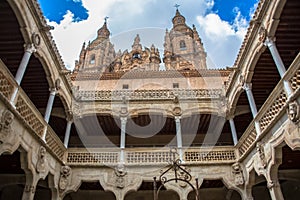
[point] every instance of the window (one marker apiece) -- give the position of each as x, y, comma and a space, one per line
182, 45
92, 59
125, 86
175, 85
136, 55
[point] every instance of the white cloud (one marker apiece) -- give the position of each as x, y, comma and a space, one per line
221, 39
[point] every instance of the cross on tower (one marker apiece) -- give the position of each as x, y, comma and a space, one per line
105, 19
176, 6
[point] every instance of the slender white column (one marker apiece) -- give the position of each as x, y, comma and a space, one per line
279, 64
233, 131
53, 92
248, 88
29, 49
179, 136
123, 135
67, 133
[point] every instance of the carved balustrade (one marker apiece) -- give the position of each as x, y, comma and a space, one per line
150, 156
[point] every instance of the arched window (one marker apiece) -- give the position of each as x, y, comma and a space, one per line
182, 45
92, 59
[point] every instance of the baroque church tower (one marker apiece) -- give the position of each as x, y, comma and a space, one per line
183, 47
98, 54
183, 50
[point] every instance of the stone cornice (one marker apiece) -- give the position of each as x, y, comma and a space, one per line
81, 76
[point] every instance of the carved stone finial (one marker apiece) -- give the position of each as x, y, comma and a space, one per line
5, 124
237, 174
293, 111
42, 160
65, 172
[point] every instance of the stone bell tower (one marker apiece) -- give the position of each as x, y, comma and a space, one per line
183, 49
98, 55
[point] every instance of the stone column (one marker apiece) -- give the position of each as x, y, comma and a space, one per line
122, 141
279, 64
29, 49
248, 88
68, 132
179, 136
53, 92
233, 131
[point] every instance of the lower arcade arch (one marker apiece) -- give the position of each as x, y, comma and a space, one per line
145, 192
90, 190
214, 189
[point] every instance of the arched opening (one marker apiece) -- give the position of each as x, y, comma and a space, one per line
145, 192
205, 130
289, 173
42, 192
215, 189
182, 45
12, 177
90, 190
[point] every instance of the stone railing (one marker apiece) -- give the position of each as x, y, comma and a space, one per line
118, 95
247, 140
150, 156
7, 82
54, 143
29, 113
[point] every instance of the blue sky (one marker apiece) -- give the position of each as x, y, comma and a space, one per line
221, 24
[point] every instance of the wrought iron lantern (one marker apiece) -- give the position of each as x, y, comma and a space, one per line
181, 174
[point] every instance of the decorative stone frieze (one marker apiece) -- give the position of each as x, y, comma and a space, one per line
5, 124
65, 173
42, 160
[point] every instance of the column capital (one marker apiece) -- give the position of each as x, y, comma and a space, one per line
30, 48
177, 118
247, 86
53, 91
123, 119
269, 41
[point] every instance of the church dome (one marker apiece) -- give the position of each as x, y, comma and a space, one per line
103, 32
